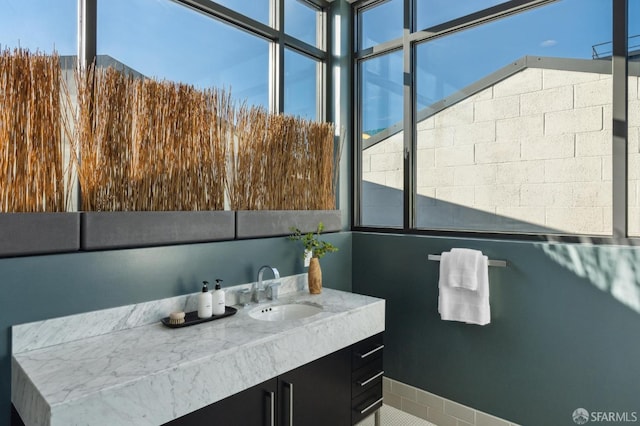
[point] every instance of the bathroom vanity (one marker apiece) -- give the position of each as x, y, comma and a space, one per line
122, 366
341, 388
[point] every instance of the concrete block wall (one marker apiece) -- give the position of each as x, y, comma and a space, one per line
533, 148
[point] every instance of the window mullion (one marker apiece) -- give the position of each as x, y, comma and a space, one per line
408, 125
276, 58
87, 20
620, 114
87, 52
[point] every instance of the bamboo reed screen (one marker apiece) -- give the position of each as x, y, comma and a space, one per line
32, 173
148, 145
141, 144
278, 162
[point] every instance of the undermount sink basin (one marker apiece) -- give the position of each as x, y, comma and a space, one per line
290, 311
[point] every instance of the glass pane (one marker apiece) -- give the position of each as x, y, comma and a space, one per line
300, 85
381, 23
508, 141
38, 25
434, 12
301, 21
634, 120
254, 9
381, 132
168, 41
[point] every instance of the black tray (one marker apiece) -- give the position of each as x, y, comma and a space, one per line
191, 318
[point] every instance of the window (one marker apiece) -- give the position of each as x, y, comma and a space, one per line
513, 136
433, 12
381, 120
512, 117
200, 43
300, 85
301, 21
255, 9
171, 40
166, 40
38, 25
151, 38
380, 23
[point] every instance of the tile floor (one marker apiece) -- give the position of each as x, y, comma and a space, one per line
390, 416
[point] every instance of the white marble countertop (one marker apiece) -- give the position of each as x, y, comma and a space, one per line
150, 374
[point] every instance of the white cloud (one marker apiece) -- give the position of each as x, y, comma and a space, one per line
548, 43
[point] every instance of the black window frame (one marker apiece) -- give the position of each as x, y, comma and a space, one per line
413, 36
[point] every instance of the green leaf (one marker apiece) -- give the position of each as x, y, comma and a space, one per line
311, 241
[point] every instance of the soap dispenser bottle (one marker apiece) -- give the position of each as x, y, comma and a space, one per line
218, 299
205, 309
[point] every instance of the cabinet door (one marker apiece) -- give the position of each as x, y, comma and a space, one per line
318, 393
15, 417
252, 407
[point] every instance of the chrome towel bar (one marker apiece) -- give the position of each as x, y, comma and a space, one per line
498, 263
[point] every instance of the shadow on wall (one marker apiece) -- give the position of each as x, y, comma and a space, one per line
615, 270
382, 206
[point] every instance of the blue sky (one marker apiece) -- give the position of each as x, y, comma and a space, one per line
565, 29
39, 25
162, 39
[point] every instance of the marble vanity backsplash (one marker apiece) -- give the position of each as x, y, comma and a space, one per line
41, 334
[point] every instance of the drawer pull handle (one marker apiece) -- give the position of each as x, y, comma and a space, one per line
371, 379
371, 406
371, 352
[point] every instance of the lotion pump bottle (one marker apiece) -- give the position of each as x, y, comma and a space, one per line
204, 302
218, 299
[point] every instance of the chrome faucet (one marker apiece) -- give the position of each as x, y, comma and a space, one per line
259, 291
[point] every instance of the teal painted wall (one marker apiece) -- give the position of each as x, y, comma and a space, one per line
40, 287
560, 337
565, 330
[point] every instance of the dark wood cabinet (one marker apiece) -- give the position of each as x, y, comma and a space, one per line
318, 393
15, 417
339, 389
253, 406
366, 377
315, 394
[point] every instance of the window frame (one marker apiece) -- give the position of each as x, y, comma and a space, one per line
274, 34
411, 37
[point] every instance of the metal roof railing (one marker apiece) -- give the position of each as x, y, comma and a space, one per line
605, 50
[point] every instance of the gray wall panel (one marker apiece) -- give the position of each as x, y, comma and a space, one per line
24, 234
266, 223
110, 230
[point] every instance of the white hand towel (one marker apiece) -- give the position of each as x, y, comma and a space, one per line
457, 303
460, 268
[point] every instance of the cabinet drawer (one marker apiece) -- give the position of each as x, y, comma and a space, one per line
365, 404
366, 377
365, 351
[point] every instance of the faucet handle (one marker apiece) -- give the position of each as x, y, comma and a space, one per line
272, 291
259, 294
244, 297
